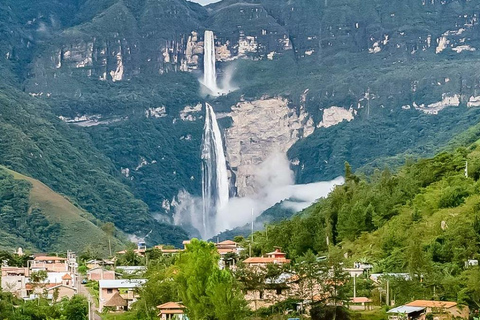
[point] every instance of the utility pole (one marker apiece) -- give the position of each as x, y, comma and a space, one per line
388, 293
354, 286
251, 241
89, 309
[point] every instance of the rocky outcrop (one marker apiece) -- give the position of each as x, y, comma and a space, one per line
259, 129
334, 115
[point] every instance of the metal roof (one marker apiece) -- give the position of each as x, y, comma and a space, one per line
405, 309
121, 283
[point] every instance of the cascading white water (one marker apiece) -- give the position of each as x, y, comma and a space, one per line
209, 72
215, 188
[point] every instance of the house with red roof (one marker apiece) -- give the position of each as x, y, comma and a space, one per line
172, 310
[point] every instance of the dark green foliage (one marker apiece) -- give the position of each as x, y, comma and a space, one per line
17, 218
12, 308
329, 312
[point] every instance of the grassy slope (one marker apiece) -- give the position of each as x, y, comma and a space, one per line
78, 232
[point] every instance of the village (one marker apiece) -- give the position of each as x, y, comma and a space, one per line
268, 280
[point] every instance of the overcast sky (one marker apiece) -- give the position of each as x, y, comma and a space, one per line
204, 2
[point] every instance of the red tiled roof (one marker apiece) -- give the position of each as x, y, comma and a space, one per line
432, 304
171, 305
66, 276
265, 260
360, 300
29, 286
227, 243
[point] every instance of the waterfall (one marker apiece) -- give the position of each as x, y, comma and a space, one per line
215, 188
209, 72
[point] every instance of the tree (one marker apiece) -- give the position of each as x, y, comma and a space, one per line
109, 229
309, 271
38, 277
76, 308
207, 291
195, 265
227, 299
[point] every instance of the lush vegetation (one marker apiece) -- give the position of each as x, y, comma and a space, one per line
12, 308
195, 279
422, 220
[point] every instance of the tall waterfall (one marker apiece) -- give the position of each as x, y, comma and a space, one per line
215, 188
209, 72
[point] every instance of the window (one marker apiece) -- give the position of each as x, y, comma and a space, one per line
261, 294
279, 291
109, 290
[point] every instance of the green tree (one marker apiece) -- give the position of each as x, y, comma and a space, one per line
207, 291
225, 295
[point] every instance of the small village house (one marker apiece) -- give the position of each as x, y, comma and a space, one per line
442, 310
100, 273
14, 280
126, 288
116, 303
60, 291
275, 257
360, 303
406, 313
168, 251
49, 263
172, 310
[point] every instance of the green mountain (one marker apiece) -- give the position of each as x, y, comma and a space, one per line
100, 101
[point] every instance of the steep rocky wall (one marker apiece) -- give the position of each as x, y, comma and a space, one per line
259, 129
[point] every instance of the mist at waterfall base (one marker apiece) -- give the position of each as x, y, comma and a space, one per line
275, 182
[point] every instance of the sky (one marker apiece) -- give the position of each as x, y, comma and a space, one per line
204, 2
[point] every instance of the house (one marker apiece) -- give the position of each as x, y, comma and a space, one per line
141, 249
49, 263
100, 273
126, 288
376, 277
171, 310
60, 277
168, 251
275, 257
61, 286
354, 272
227, 246
363, 265
61, 290
92, 264
14, 280
131, 270
406, 313
117, 303
360, 303
442, 310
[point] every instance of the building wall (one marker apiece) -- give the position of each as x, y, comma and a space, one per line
99, 274
15, 285
52, 267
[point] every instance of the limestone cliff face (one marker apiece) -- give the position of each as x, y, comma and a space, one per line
259, 129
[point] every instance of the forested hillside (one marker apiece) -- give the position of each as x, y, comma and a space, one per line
423, 219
